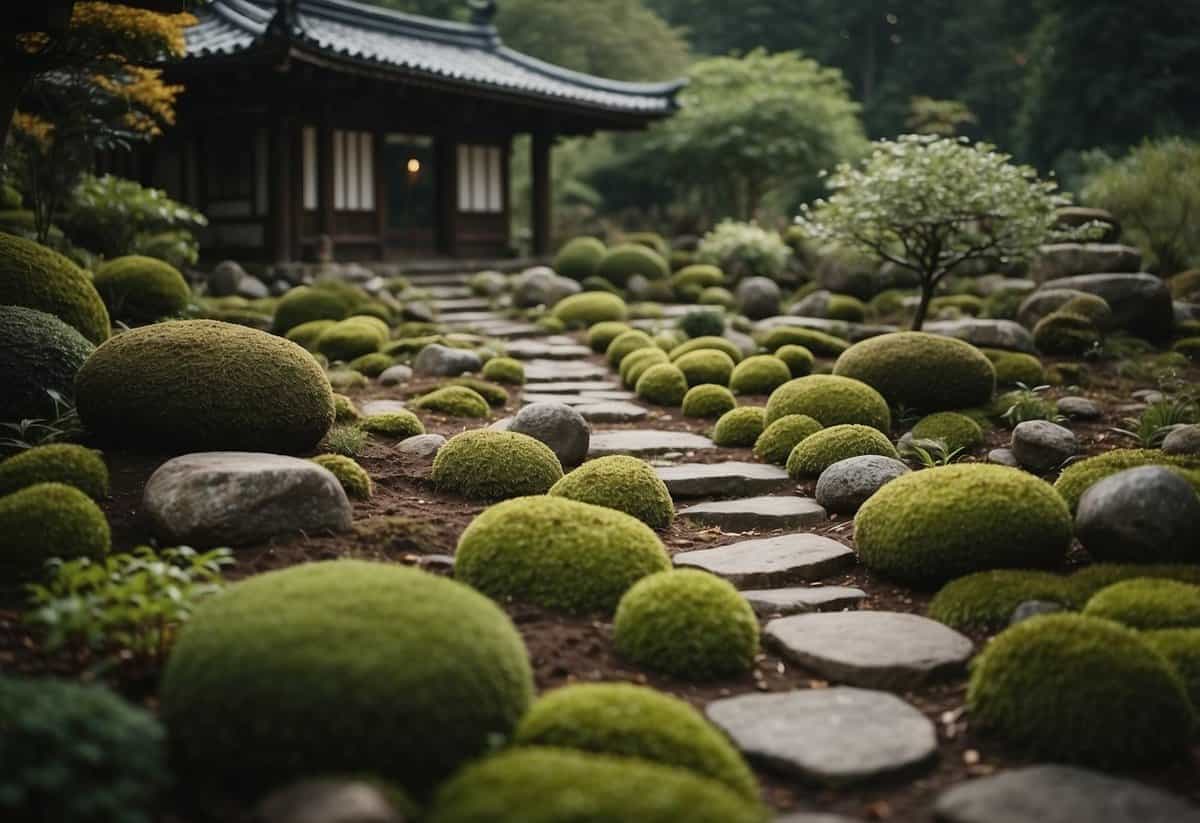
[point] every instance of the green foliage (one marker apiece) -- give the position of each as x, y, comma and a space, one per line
454, 401
740, 427
956, 431
482, 464
798, 359
1181, 648
601, 335
35, 277
830, 400
48, 520
579, 258
1152, 426
921, 371
663, 385
781, 437
558, 553
1026, 403
504, 370
705, 366
818, 343
1082, 475
708, 401
620, 482
744, 250
305, 304
625, 344
761, 374
65, 463
352, 477
202, 385
686, 623
298, 670
821, 449
703, 323
933, 525
590, 307
940, 117
1063, 688
987, 600
628, 259
348, 440
78, 754
141, 289
39, 358
1148, 603
1066, 334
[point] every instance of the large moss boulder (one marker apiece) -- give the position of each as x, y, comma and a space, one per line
140, 289
38, 353
342, 668
483, 464
36, 277
831, 401
921, 371
203, 385
1083, 474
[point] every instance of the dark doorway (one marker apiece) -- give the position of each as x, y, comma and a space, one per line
408, 164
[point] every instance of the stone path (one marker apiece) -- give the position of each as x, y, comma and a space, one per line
556, 371
731, 479
757, 513
802, 599
613, 411
645, 441
608, 396
772, 561
534, 349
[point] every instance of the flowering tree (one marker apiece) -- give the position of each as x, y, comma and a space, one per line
930, 204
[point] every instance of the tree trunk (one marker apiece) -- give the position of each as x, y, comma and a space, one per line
923, 306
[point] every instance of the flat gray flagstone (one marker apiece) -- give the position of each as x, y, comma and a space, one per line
802, 599
534, 349
815, 817
578, 386
729, 479
644, 441
449, 292
462, 304
587, 398
611, 411
837, 736
462, 317
757, 513
1060, 794
772, 561
878, 650
556, 371
371, 407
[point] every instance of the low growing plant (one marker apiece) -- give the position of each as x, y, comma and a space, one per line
1025, 403
1152, 426
25, 434
930, 453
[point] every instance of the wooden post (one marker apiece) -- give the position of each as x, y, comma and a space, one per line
541, 213
281, 199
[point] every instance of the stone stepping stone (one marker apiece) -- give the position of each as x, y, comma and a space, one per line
534, 349
803, 599
422, 281
837, 736
613, 411
588, 398
449, 292
757, 513
556, 371
1060, 794
578, 386
381, 407
464, 317
644, 441
773, 561
878, 650
730, 479
815, 817
462, 304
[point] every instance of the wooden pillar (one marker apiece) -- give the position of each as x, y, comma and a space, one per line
541, 212
282, 205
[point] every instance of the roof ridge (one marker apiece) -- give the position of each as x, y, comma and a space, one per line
397, 22
245, 14
590, 80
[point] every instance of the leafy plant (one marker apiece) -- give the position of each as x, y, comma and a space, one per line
1156, 421
348, 440
1027, 403
905, 417
744, 250
930, 453
25, 434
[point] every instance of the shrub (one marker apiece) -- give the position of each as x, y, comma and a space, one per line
823, 448
78, 754
707, 401
705, 366
36, 277
635, 721
818, 343
761, 374
931, 526
1065, 334
1148, 603
956, 431
558, 553
620, 482
739, 428
307, 334
504, 370
662, 385
141, 289
542, 785
778, 440
1078, 689
1016, 367
351, 338
371, 365
703, 323
1082, 475
495, 395
579, 258
628, 259
453, 401
602, 334
1181, 648
48, 520
38, 354
202, 385
482, 464
65, 463
299, 670
830, 400
113, 216
700, 343
353, 478
687, 623
987, 600
305, 304
798, 359
635, 365
744, 250
921, 371
625, 344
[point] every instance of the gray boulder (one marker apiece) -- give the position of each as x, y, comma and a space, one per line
252, 288
986, 334
557, 425
443, 361
540, 286
1141, 303
1003, 457
1145, 515
1060, 260
1183, 440
223, 280
815, 304
1043, 302
847, 484
759, 297
395, 375
327, 801
421, 445
1078, 408
1072, 217
1041, 446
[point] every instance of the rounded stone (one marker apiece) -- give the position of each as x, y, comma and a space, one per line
1034, 608
557, 425
1183, 440
1041, 446
1142, 515
759, 297
1003, 457
423, 445
395, 375
443, 361
847, 484
1078, 408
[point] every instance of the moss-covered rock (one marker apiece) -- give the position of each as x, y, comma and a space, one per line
687, 623
967, 304
66, 463
494, 394
352, 337
1066, 334
602, 334
371, 365
345, 379
1090, 580
823, 448
1181, 648
717, 296
1148, 603
139, 289
1082, 475
628, 259
202, 385
453, 401
921, 371
301, 670
482, 464
635, 365
353, 478
1092, 306
798, 359
38, 354
831, 401
38, 278
987, 600
705, 366
620, 482
846, 308
635, 721
1189, 347
558, 553
307, 334
760, 374
1016, 367
707, 401
817, 342
397, 425
931, 526
305, 304
625, 344
706, 342
662, 385
690, 281
1078, 689
344, 410
590, 307
957, 431
504, 370
579, 258
780, 438
48, 520
740, 427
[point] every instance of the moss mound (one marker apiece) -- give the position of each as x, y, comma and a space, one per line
543, 785
708, 401
398, 425
1016, 367
635, 365
590, 307
921, 371
557, 553
602, 334
635, 721
48, 520
718, 296
705, 366
1148, 603
956, 430
1082, 475
706, 342
690, 282
798, 359
823, 448
493, 465
305, 304
1066, 334
628, 259
1092, 306
761, 374
625, 344
504, 370
620, 482
495, 395
203, 385
371, 365
817, 342
1078, 689
1088, 581
346, 379
662, 385
36, 277
352, 337
344, 410
688, 624
1181, 648
779, 439
453, 401
139, 289
831, 401
987, 600
739, 428
1189, 347
931, 526
579, 258
65, 463
38, 353
353, 478
342, 668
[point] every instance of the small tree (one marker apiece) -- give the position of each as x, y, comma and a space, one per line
930, 205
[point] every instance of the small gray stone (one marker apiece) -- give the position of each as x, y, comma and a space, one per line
1034, 608
252, 288
1147, 514
327, 801
443, 361
730, 479
757, 513
540, 286
611, 411
802, 599
847, 484
1060, 794
838, 736
645, 441
1078, 408
1003, 457
223, 280
1041, 446
815, 304
772, 561
395, 375
373, 407
421, 445
558, 426
759, 297
1148, 396
1184, 440
880, 650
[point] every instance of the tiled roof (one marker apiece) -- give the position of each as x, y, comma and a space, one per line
467, 54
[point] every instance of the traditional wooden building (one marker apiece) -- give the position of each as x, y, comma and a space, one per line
388, 133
